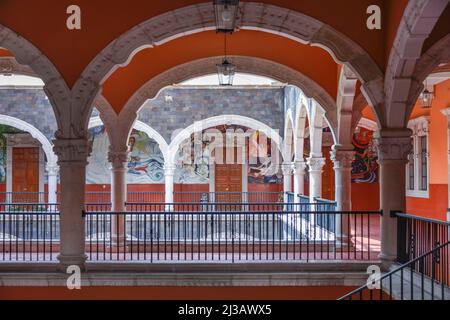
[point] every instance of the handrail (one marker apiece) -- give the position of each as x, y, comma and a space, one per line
390, 273
425, 219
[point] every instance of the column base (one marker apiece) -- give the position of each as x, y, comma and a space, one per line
67, 261
387, 261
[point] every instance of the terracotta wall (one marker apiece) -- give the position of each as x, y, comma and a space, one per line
436, 205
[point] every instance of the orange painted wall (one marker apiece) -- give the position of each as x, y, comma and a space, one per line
44, 24
174, 293
436, 205
314, 63
365, 196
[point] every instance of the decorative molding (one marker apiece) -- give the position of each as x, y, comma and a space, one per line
299, 167
393, 145
342, 159
118, 160
72, 151
368, 124
419, 126
286, 168
316, 164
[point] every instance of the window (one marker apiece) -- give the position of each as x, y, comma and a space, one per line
411, 171
417, 168
423, 163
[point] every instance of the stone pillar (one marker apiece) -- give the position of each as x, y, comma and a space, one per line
286, 168
299, 168
394, 147
343, 160
315, 177
52, 174
119, 161
169, 172
72, 160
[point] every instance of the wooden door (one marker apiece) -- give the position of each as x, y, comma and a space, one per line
228, 184
25, 175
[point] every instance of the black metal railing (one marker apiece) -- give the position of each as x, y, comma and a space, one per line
418, 235
29, 232
225, 232
423, 278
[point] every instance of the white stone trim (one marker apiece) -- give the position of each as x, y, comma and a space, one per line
220, 120
34, 132
368, 124
419, 127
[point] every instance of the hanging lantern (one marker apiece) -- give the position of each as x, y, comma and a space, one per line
226, 72
426, 99
226, 15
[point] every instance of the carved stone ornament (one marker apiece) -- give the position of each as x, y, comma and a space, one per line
72, 150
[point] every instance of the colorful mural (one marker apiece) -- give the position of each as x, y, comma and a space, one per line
263, 168
146, 160
365, 166
192, 166
4, 129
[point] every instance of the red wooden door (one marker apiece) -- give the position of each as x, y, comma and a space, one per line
25, 174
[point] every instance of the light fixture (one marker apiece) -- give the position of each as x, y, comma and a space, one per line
426, 98
226, 14
226, 70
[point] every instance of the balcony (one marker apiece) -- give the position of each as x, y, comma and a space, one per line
196, 228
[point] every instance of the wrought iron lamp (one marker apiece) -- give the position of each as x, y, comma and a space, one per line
226, 70
226, 15
426, 98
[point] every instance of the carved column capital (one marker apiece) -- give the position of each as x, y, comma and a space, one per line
52, 169
169, 170
393, 145
118, 159
72, 151
342, 159
316, 164
286, 168
299, 167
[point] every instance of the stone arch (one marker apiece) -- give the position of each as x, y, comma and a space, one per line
220, 120
35, 133
28, 56
153, 134
439, 53
257, 66
289, 145
418, 21
300, 128
254, 16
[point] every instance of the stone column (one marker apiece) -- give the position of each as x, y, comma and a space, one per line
343, 160
286, 168
315, 177
299, 168
169, 172
52, 174
119, 161
394, 147
72, 160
